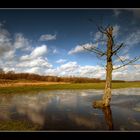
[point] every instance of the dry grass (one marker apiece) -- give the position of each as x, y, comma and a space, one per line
22, 87
28, 83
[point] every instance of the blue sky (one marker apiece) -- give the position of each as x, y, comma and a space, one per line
50, 41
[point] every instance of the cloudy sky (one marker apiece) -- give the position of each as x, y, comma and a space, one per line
50, 41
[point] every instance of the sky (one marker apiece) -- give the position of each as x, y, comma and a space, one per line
51, 41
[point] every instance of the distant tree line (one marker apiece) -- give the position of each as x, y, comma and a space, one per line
11, 75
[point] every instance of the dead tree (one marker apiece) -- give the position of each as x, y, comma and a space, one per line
111, 50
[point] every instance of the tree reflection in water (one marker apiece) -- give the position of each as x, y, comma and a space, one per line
108, 116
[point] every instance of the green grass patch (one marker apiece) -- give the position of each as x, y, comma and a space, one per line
67, 87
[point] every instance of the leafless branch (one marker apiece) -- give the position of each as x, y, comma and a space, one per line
117, 48
102, 30
120, 58
100, 58
95, 50
92, 50
128, 63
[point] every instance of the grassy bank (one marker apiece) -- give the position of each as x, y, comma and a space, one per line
17, 125
26, 88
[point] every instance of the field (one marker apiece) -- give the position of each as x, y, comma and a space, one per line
25, 86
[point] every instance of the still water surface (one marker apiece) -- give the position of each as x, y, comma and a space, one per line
73, 110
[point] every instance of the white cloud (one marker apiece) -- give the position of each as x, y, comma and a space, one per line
38, 62
5, 41
35, 61
47, 37
80, 48
73, 69
9, 46
38, 65
21, 42
128, 72
61, 61
33, 70
37, 52
10, 55
92, 71
69, 67
77, 49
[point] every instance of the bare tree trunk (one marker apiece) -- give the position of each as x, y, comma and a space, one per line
109, 68
107, 92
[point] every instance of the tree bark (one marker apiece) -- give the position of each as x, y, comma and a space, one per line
107, 92
109, 68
